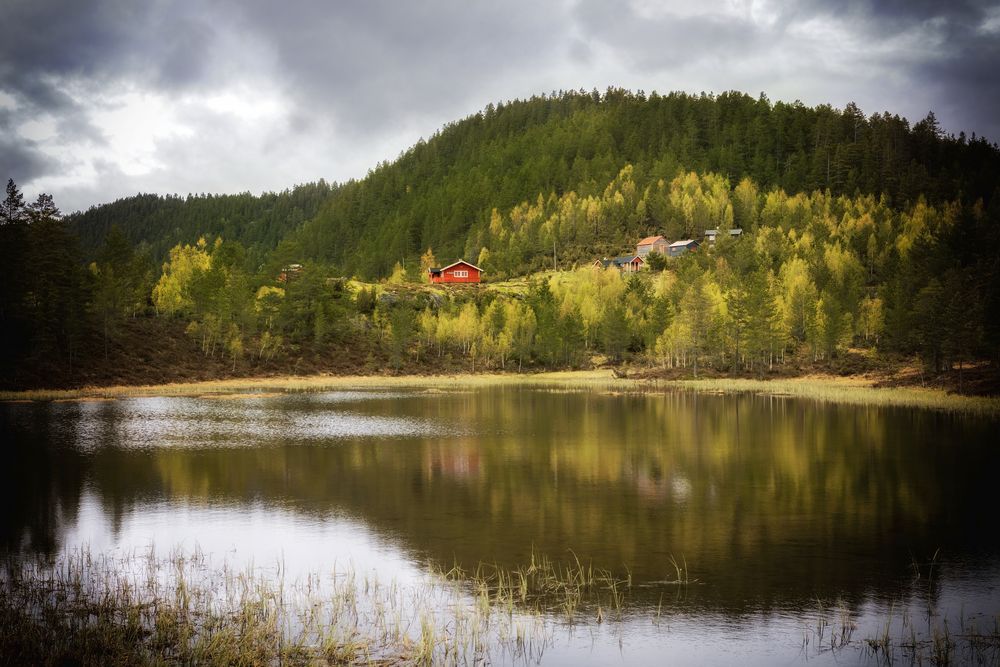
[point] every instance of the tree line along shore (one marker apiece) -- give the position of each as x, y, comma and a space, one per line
840, 270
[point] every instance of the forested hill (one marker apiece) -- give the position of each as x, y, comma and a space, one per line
159, 222
442, 192
860, 234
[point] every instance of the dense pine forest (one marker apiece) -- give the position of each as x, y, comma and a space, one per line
865, 237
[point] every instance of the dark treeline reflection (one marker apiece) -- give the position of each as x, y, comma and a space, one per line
769, 500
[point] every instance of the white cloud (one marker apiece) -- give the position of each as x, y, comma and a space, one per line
229, 96
991, 22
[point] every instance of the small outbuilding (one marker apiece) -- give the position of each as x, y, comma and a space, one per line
678, 248
457, 272
290, 273
626, 264
712, 234
652, 244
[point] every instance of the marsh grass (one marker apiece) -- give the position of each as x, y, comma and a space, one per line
905, 633
896, 636
547, 588
569, 591
833, 629
933, 641
831, 390
261, 387
142, 609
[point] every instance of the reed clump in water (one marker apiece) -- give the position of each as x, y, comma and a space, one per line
569, 590
933, 641
833, 629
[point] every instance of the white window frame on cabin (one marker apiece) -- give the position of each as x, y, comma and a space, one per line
460, 273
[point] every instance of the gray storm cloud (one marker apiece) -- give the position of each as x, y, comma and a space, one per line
106, 98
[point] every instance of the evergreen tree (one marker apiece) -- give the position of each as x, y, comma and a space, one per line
12, 208
42, 208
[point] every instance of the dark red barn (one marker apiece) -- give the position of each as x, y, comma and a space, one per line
459, 272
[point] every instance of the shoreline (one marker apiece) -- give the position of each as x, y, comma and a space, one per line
850, 390
265, 386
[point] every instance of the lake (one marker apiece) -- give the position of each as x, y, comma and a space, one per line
740, 526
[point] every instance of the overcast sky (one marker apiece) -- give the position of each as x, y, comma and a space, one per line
101, 99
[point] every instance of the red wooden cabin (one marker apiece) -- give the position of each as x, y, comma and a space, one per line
459, 272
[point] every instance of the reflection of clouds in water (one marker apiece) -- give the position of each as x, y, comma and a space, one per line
198, 422
355, 396
247, 534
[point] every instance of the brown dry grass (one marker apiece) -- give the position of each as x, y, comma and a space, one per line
853, 390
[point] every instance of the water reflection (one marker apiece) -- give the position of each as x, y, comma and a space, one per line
772, 502
154, 423
264, 537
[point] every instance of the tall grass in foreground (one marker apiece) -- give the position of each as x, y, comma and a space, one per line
571, 592
932, 641
904, 636
142, 609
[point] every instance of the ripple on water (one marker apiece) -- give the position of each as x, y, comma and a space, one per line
150, 423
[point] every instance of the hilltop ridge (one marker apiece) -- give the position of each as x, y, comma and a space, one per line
442, 192
863, 239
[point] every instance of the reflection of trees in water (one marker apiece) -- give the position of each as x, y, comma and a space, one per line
760, 494
41, 479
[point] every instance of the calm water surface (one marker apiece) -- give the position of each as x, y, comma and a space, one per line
774, 503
